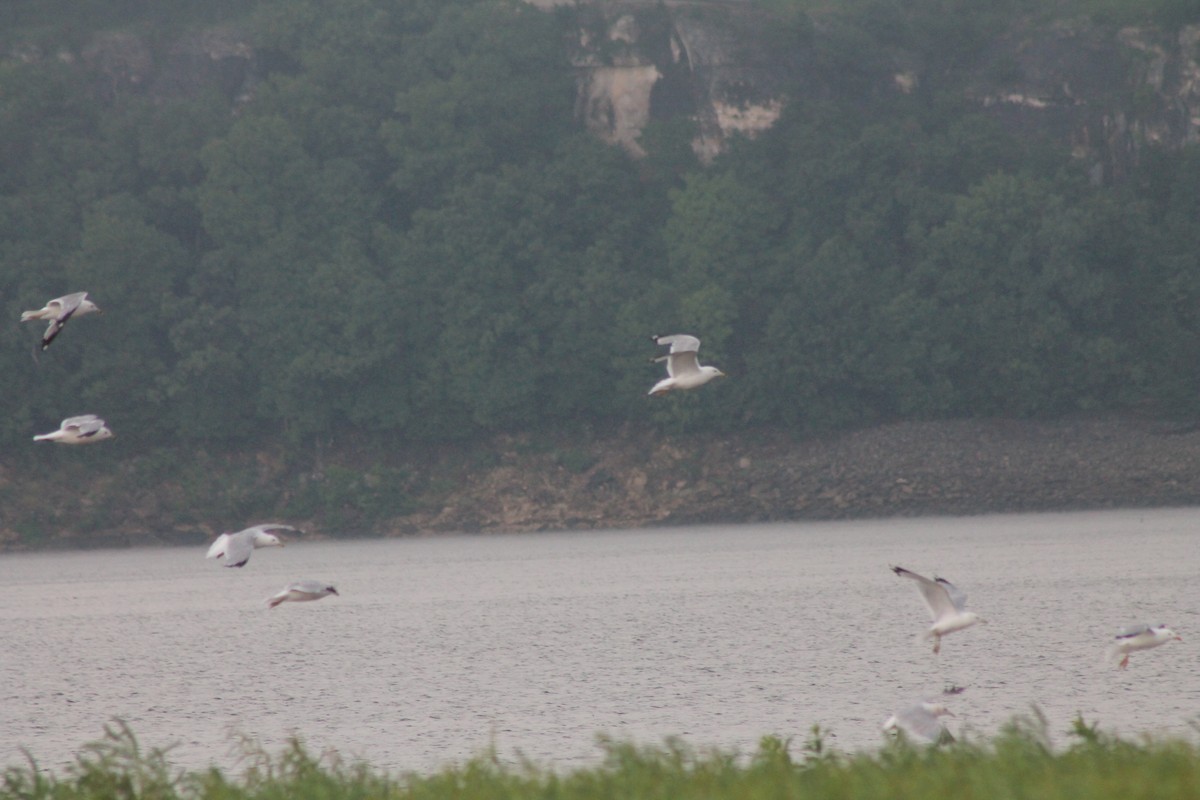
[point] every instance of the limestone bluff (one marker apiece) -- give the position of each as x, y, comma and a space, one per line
732, 66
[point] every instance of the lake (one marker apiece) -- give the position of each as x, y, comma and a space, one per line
439, 648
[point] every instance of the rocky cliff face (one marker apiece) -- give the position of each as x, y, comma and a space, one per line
1106, 93
731, 67
719, 64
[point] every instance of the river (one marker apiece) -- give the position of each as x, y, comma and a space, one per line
534, 644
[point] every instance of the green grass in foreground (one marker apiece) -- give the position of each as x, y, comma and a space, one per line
1018, 763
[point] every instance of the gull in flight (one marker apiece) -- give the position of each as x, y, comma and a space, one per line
300, 592
683, 370
236, 548
922, 720
1140, 637
947, 604
58, 311
78, 430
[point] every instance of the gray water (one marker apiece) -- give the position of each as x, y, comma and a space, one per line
533, 644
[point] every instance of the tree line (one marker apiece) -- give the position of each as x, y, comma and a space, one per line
406, 232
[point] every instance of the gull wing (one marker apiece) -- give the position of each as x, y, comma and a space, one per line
679, 342
957, 596
238, 550
682, 363
917, 720
69, 304
83, 426
92, 428
681, 360
307, 587
1134, 630
266, 527
66, 307
52, 331
936, 597
217, 548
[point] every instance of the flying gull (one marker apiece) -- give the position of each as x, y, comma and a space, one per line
300, 592
236, 548
58, 311
1140, 637
947, 605
84, 429
683, 370
921, 721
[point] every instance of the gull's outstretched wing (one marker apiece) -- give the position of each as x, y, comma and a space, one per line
1134, 630
217, 548
917, 720
308, 587
679, 342
681, 360
266, 527
83, 426
936, 596
682, 363
957, 596
65, 308
238, 550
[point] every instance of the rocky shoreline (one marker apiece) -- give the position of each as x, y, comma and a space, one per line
631, 478
959, 467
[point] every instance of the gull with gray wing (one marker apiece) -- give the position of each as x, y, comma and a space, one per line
84, 429
58, 311
301, 592
947, 605
683, 367
1140, 637
236, 548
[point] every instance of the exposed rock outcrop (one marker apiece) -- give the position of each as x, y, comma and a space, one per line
1105, 93
712, 62
731, 67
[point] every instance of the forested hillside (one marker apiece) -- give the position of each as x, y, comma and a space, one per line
394, 226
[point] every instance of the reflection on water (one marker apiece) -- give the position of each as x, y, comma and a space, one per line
534, 643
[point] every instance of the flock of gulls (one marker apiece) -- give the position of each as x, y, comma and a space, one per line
234, 548
948, 608
920, 720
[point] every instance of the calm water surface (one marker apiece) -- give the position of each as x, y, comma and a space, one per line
534, 644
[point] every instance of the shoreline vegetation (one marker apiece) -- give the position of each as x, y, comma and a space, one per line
1019, 762
589, 479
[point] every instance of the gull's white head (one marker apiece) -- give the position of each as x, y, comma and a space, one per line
712, 372
937, 709
1163, 632
264, 539
87, 307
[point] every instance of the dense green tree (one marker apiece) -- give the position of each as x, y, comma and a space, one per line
401, 229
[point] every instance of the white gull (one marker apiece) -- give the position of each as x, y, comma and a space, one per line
300, 592
947, 605
58, 311
83, 429
921, 721
1140, 637
236, 548
683, 368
